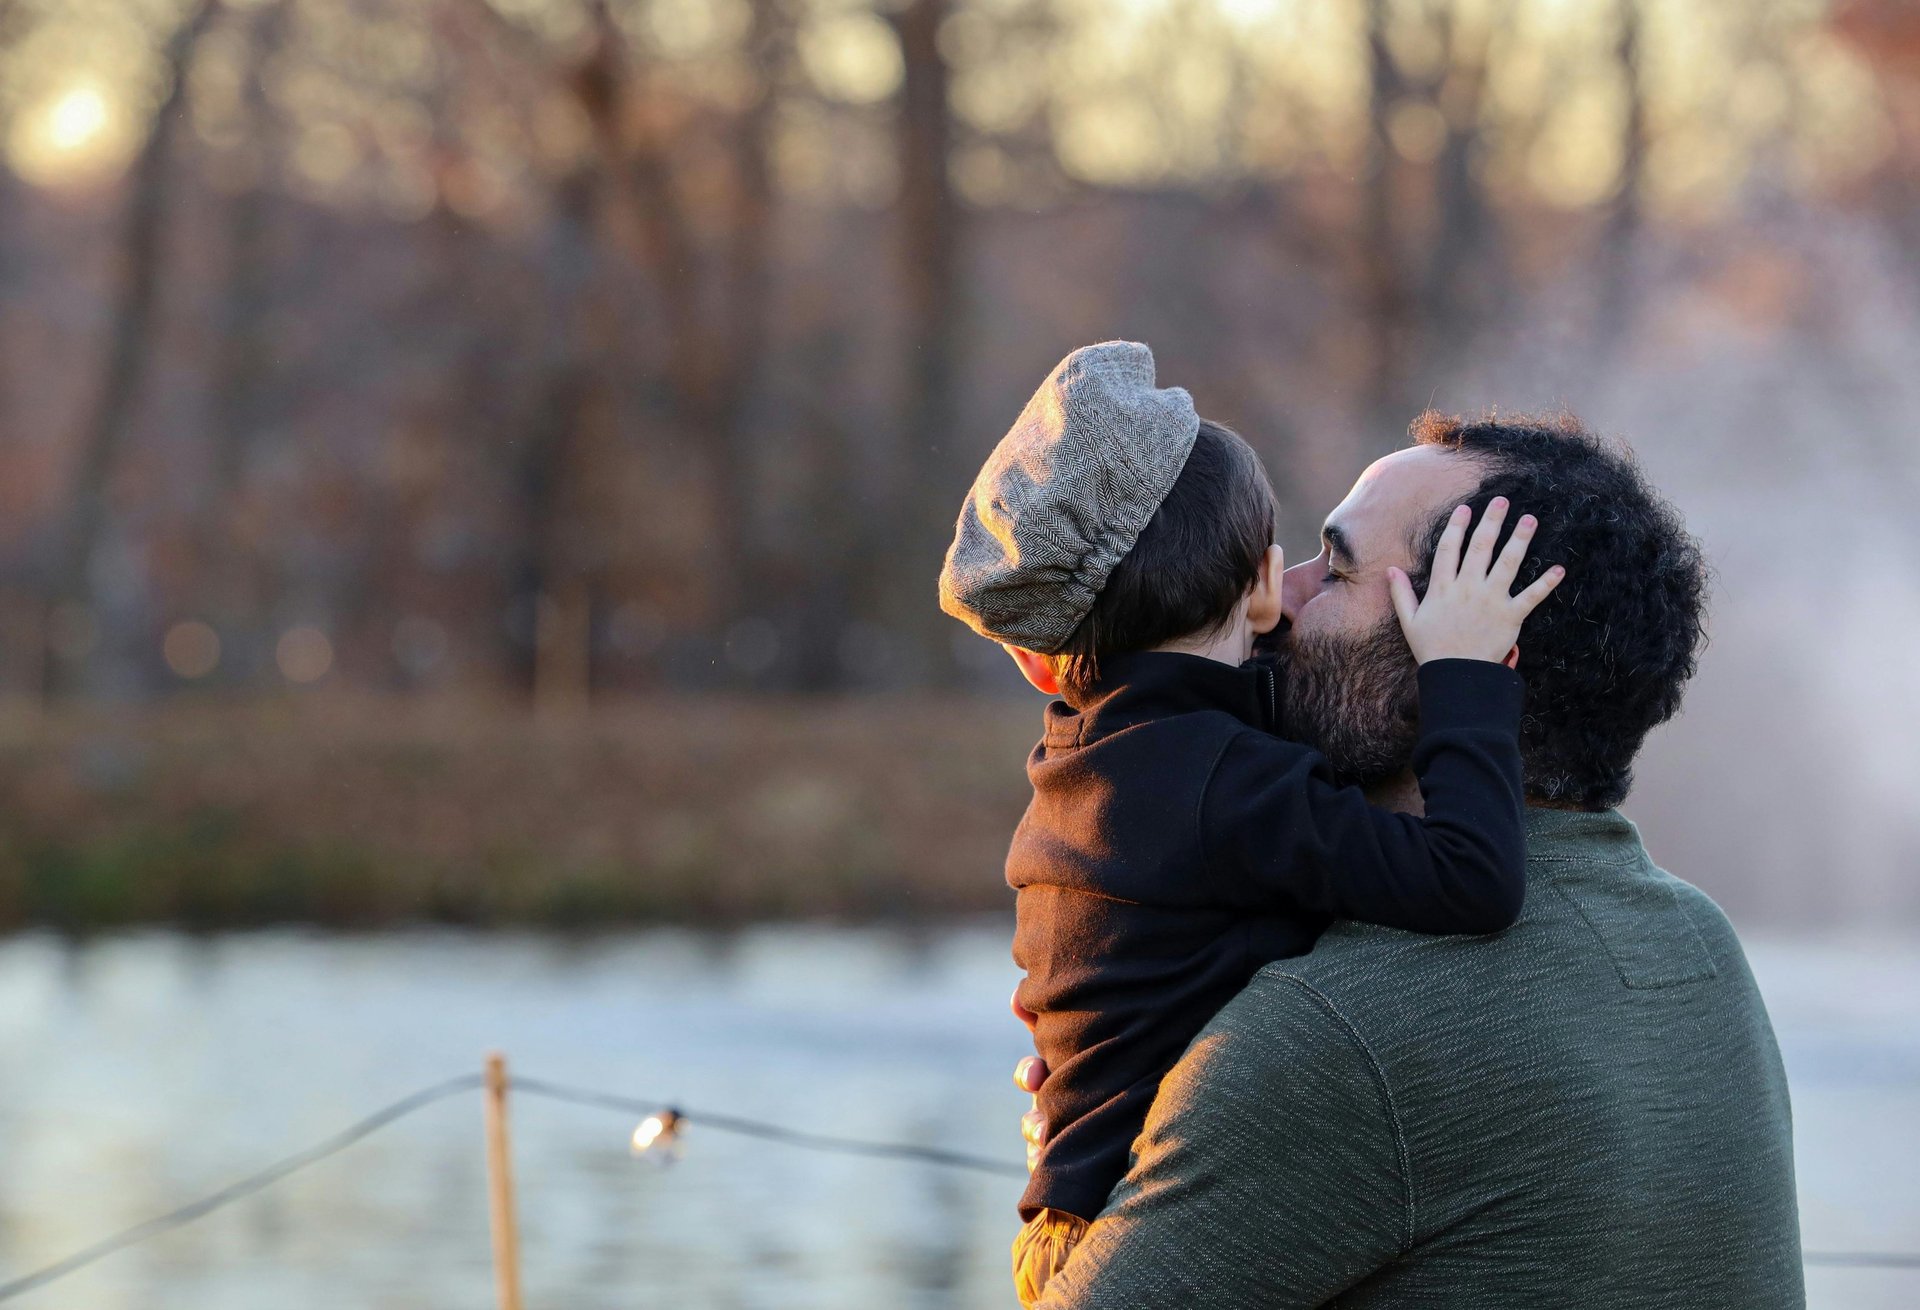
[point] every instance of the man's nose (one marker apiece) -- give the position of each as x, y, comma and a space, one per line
1298, 585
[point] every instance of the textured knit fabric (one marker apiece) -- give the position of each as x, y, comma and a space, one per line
1172, 848
1042, 1250
1587, 1110
1065, 495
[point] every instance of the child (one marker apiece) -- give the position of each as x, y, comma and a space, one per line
1121, 549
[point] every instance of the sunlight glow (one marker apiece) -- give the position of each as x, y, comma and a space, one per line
76, 119
77, 131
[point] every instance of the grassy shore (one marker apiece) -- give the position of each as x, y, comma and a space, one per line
367, 812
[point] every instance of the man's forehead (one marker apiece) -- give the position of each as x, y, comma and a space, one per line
1399, 493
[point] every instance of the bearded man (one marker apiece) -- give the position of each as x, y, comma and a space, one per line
1586, 1110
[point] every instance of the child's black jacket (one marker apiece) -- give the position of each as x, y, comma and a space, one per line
1174, 845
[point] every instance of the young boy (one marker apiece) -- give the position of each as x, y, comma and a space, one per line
1120, 548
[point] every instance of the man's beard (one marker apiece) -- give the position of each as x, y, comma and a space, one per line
1356, 700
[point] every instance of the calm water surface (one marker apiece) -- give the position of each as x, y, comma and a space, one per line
140, 1071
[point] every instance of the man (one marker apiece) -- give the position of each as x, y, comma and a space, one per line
1588, 1109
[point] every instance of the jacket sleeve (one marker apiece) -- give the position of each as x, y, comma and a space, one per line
1270, 1174
1279, 833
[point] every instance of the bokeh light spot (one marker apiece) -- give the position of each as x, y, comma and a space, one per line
191, 649
852, 57
304, 654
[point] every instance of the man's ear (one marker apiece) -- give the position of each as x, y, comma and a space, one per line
1036, 668
1263, 602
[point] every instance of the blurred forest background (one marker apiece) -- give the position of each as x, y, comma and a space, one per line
488, 460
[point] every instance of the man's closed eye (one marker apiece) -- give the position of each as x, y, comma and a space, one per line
1333, 543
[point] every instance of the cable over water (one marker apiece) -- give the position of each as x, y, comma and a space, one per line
247, 1186
541, 1088
724, 1123
440, 1091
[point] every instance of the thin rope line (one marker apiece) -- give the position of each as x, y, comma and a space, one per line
770, 1132
265, 1178
537, 1087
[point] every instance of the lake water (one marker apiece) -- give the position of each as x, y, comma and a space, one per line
139, 1072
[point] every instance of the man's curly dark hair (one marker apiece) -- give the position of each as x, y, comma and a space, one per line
1609, 654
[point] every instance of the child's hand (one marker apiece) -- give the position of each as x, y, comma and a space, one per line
1469, 612
1027, 1076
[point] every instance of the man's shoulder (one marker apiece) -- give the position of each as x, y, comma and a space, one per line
1587, 936
1376, 982
1372, 970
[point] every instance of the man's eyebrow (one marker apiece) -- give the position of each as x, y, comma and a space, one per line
1338, 547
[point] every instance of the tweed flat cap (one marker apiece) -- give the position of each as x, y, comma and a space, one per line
1064, 496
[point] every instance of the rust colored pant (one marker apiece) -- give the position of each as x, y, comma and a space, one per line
1041, 1251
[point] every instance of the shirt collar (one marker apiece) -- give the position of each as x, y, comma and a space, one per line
1591, 836
1147, 685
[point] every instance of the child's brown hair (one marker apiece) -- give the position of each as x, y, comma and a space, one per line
1192, 564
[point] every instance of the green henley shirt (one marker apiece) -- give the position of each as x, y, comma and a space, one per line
1585, 1110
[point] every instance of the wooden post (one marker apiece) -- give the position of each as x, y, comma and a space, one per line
506, 1233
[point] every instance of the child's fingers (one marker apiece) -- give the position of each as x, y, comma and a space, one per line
1405, 603
1480, 550
1033, 1127
1541, 589
1446, 555
1514, 553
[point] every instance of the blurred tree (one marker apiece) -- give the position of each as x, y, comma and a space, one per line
563, 439
131, 336
1430, 254
228, 541
1388, 300
709, 270
1886, 33
22, 646
1625, 211
673, 330
10, 188
930, 256
747, 300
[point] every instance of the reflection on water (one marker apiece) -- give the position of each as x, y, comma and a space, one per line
140, 1071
